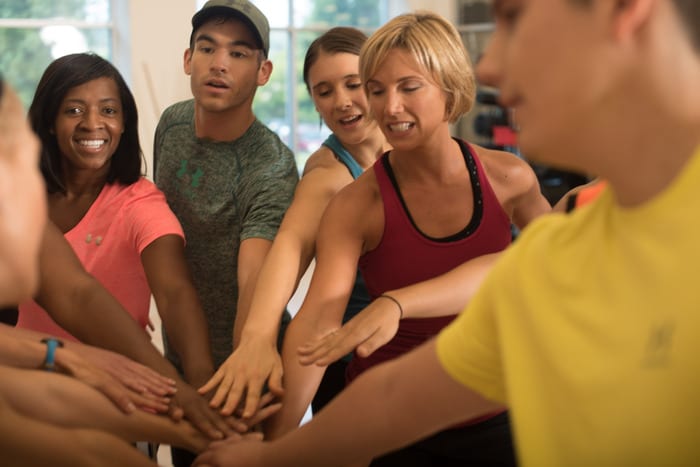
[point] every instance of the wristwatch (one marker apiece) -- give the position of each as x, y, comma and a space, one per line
51, 345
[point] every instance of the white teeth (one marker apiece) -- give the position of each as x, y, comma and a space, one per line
92, 143
400, 126
352, 119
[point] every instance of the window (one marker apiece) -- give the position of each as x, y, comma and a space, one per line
283, 103
35, 32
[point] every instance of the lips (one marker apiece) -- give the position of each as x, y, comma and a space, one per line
216, 83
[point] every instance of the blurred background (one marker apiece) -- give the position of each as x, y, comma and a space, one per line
146, 41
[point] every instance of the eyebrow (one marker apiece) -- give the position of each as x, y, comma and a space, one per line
208, 38
81, 101
400, 80
323, 83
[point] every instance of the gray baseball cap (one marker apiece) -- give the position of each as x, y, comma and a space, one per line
242, 9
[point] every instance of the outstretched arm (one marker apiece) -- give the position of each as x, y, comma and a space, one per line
66, 289
339, 246
377, 324
178, 305
28, 442
63, 401
255, 359
182, 315
127, 383
384, 409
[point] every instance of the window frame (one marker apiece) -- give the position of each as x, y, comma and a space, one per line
117, 25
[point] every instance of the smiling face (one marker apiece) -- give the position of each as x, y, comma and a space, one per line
89, 126
339, 98
225, 66
407, 104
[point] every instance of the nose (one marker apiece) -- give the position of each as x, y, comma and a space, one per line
92, 119
219, 61
489, 66
393, 103
342, 100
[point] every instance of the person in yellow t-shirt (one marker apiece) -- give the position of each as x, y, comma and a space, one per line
588, 327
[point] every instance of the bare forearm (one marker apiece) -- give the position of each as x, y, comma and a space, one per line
63, 401
60, 447
251, 258
188, 334
446, 294
21, 352
278, 279
98, 329
301, 382
245, 297
386, 408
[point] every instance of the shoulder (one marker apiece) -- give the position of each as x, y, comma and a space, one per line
260, 135
175, 124
146, 207
262, 148
510, 176
144, 185
360, 195
178, 113
504, 167
323, 174
141, 190
322, 158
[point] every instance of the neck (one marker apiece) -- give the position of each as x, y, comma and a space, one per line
664, 126
81, 184
222, 126
438, 157
650, 159
369, 150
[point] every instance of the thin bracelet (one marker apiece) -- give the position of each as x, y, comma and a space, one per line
395, 301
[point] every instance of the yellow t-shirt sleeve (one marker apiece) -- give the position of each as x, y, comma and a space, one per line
468, 349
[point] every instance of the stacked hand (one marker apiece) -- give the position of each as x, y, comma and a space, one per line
126, 383
240, 379
364, 333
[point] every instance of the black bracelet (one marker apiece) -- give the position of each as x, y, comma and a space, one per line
51, 345
395, 301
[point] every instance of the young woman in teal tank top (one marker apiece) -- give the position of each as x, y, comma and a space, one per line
331, 72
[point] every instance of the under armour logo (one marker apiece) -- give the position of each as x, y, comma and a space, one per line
194, 182
658, 349
194, 177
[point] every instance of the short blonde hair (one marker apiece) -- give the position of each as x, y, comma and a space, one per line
436, 46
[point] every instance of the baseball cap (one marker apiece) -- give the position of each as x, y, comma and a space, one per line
242, 9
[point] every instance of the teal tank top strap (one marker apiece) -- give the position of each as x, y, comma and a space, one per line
343, 155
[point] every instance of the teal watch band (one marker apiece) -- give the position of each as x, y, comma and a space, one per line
51, 345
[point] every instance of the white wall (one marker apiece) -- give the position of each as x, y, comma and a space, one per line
159, 35
447, 8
